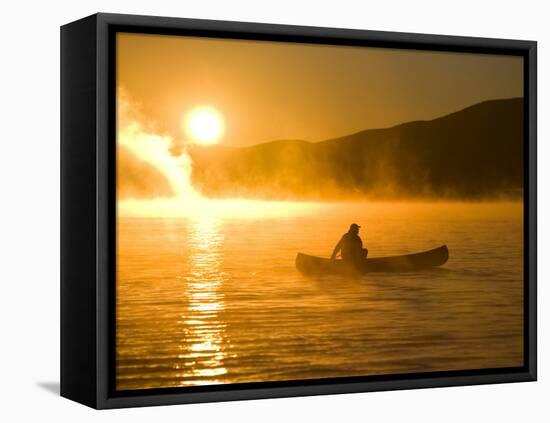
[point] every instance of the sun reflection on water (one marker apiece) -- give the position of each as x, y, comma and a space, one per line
205, 346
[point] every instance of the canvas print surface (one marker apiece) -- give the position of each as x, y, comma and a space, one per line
290, 211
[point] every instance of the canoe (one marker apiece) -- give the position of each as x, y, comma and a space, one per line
405, 263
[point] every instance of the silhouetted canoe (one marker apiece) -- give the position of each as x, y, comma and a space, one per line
405, 263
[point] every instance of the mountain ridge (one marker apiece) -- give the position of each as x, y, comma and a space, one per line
471, 153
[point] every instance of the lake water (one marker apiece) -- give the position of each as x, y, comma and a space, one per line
209, 300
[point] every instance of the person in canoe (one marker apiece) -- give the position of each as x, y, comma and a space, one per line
351, 246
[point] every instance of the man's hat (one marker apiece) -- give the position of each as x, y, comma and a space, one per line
354, 226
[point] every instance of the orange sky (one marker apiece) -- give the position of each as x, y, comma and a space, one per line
270, 90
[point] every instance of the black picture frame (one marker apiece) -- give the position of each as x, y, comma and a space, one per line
88, 207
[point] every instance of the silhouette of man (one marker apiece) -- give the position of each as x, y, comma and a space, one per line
351, 246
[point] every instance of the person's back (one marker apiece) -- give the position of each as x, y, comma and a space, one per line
351, 246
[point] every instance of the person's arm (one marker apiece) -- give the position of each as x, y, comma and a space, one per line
336, 249
364, 249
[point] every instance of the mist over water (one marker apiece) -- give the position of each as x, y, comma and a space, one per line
208, 292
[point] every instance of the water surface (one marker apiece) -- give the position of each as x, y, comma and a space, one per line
209, 300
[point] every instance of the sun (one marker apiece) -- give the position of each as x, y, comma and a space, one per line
204, 125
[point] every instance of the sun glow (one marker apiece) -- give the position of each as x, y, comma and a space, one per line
204, 125
186, 202
209, 208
